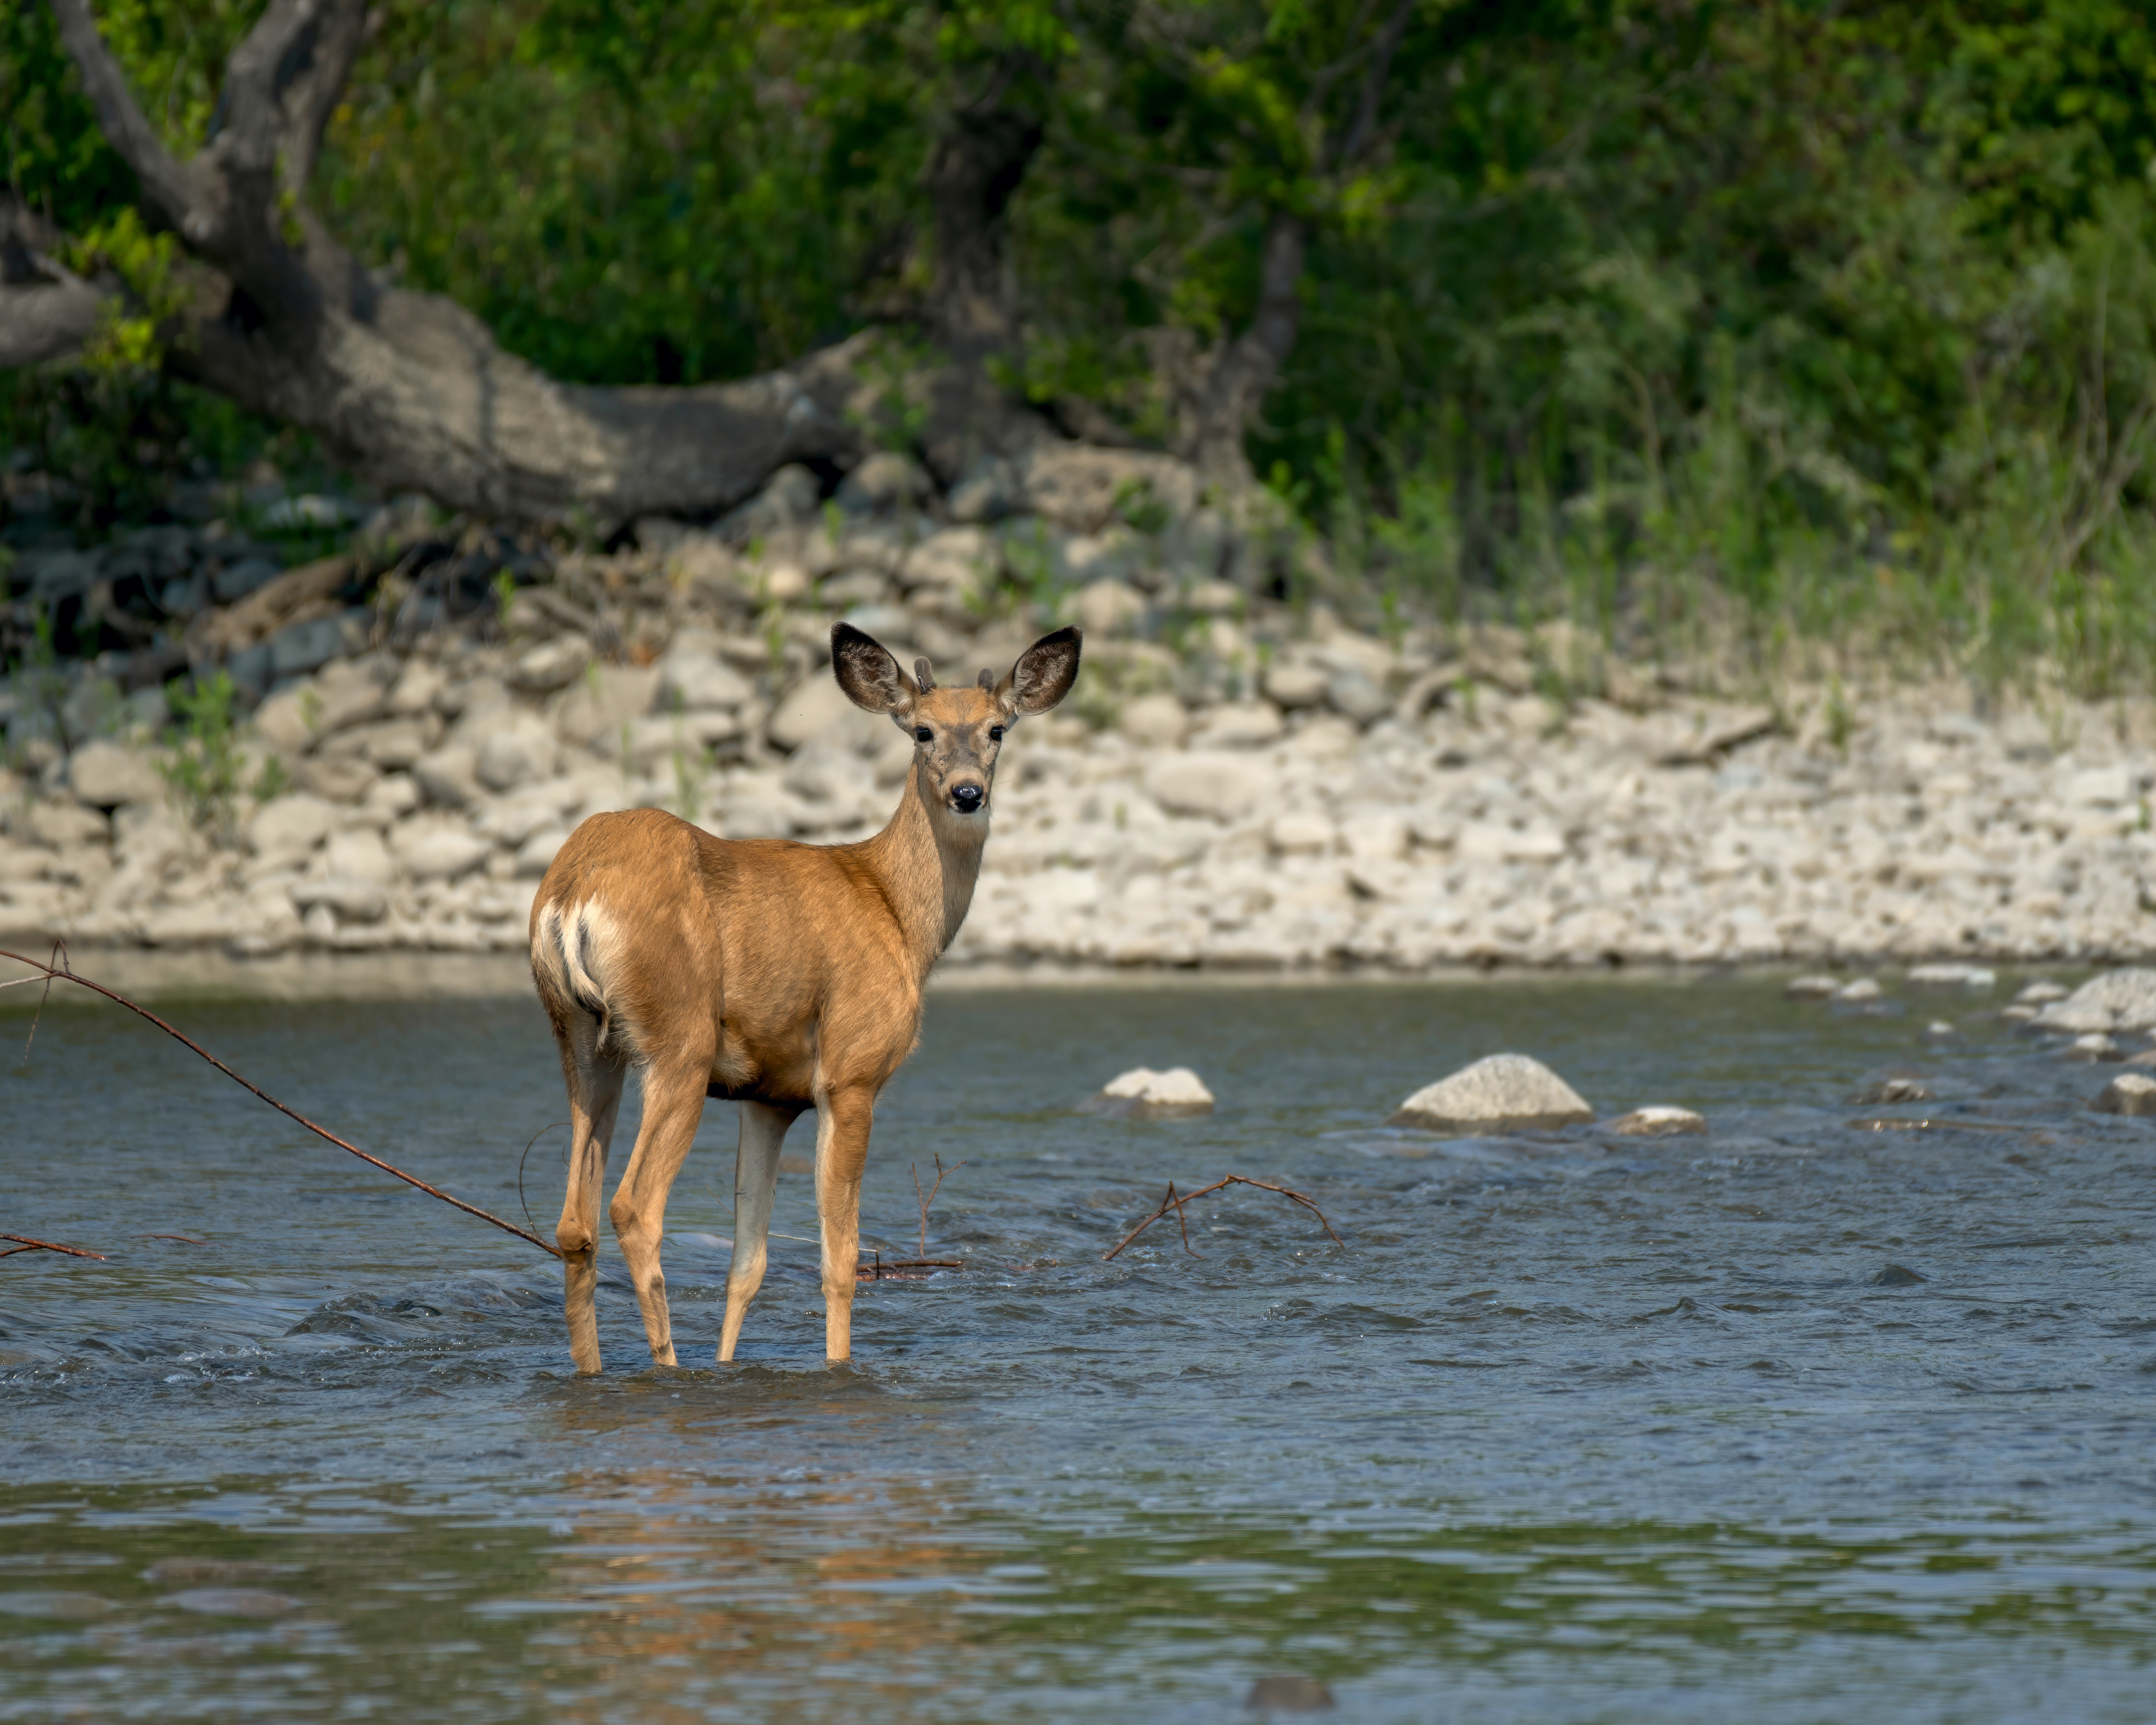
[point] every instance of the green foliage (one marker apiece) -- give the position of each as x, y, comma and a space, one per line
205, 766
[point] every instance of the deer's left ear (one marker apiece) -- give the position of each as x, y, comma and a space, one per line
1042, 676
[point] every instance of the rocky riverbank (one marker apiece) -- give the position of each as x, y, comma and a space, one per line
1241, 781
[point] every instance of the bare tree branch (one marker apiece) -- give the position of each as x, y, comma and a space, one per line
166, 183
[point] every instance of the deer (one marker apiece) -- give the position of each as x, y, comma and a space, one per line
778, 975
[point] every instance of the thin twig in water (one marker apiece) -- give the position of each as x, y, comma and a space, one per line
1173, 1203
29, 1245
941, 1171
60, 952
528, 1143
262, 1095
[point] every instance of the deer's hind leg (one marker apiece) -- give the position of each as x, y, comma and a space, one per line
763, 1126
594, 1082
673, 1105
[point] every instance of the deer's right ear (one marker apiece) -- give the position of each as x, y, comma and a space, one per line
868, 675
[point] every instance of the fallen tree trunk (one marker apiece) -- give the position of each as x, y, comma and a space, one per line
407, 389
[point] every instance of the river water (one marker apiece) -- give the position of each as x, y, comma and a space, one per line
1574, 1428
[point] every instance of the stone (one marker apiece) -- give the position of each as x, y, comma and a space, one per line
431, 848
448, 775
1156, 722
104, 775
1143, 1094
1891, 1089
2040, 994
1940, 1030
62, 826
359, 853
291, 825
1864, 990
535, 855
1953, 976
340, 779
417, 688
2130, 1093
353, 900
1221, 786
235, 580
1240, 725
1657, 1121
2119, 1000
1502, 1092
885, 481
1292, 684
514, 752
1292, 1693
1896, 1276
1813, 988
543, 669
394, 744
592, 711
1108, 607
819, 710
1301, 832
306, 646
2090, 1047
1354, 696
694, 680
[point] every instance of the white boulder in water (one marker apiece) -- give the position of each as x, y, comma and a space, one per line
1657, 1121
1953, 976
1504, 1092
1143, 1094
2119, 1000
2131, 1093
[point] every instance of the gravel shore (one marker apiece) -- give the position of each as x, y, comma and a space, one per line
1239, 782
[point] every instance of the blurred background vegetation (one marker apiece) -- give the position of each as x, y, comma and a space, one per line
1808, 320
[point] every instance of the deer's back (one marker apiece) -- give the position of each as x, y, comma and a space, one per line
785, 959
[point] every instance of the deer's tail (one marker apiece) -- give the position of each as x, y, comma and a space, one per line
572, 949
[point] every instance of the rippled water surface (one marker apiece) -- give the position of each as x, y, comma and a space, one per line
1574, 1428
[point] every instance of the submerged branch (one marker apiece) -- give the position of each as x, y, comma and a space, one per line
29, 1245
1171, 1202
60, 974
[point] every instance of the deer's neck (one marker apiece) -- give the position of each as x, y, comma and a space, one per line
929, 859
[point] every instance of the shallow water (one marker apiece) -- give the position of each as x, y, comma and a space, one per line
1573, 1428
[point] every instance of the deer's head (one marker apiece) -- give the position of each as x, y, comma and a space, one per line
957, 732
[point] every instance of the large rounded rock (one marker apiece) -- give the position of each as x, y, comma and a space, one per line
1209, 782
1143, 1094
105, 774
2121, 1000
2132, 1093
1505, 1093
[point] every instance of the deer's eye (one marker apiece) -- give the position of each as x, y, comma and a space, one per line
995, 733
921, 733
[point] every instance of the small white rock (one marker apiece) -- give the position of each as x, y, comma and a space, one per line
1864, 989
1658, 1120
1143, 1094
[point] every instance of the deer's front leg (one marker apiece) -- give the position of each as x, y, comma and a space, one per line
842, 1149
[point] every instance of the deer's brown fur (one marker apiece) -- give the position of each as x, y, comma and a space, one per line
784, 977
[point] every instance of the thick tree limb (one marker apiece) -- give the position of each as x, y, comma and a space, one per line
407, 389
45, 310
1246, 368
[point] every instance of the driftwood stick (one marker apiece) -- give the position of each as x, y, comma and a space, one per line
941, 1172
29, 1245
64, 975
1173, 1203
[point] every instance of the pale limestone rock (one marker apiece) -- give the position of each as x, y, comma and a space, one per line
2120, 1000
1504, 1092
1293, 683
1143, 1094
431, 848
1657, 1121
418, 687
1220, 785
696, 680
1301, 832
1953, 976
514, 749
290, 826
1156, 722
1238, 725
1108, 607
104, 775
359, 853
1859, 992
592, 711
352, 899
555, 665
2131, 1093
448, 775
1813, 988
819, 710
338, 780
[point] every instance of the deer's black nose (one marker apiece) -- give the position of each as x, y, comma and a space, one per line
966, 798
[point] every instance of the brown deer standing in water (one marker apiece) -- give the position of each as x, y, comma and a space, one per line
780, 976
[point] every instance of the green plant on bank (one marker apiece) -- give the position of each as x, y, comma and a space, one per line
204, 765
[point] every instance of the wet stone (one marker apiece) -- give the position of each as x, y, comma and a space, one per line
2131, 1093
1290, 1694
1504, 1092
1891, 1088
1658, 1122
1813, 988
1143, 1094
1897, 1275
